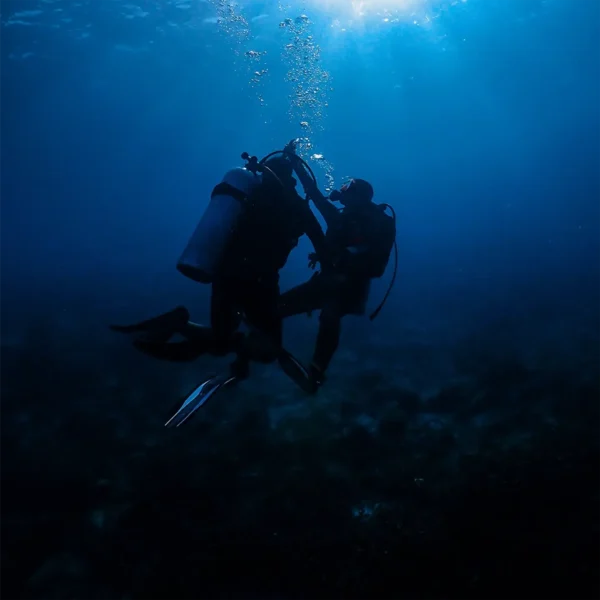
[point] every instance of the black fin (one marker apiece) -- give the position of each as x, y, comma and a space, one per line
294, 369
159, 328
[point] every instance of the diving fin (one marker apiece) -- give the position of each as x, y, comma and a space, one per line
160, 328
198, 397
296, 371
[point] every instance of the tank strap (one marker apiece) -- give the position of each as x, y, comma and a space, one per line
225, 189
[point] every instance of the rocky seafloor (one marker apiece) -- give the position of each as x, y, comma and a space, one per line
420, 470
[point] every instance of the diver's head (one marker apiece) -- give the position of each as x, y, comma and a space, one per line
282, 168
355, 193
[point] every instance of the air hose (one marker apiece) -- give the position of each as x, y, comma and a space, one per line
256, 166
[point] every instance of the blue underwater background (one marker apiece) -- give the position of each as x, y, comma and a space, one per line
453, 451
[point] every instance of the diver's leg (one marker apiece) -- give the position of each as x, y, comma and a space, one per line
261, 309
318, 293
327, 342
344, 296
225, 318
328, 338
220, 339
303, 298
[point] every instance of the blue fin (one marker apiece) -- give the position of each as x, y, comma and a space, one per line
198, 397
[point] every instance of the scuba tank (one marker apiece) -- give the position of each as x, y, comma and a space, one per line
202, 255
201, 258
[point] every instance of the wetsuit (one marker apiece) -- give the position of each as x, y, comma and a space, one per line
248, 284
361, 239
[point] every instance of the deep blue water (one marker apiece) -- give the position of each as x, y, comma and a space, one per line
480, 127
477, 120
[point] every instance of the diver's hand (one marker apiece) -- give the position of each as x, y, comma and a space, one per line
291, 146
313, 259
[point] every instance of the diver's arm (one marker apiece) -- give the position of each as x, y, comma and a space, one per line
317, 238
324, 206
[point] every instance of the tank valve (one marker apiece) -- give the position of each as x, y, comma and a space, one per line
251, 162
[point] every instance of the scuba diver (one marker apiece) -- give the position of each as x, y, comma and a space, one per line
361, 236
251, 224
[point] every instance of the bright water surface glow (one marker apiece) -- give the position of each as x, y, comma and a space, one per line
387, 10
